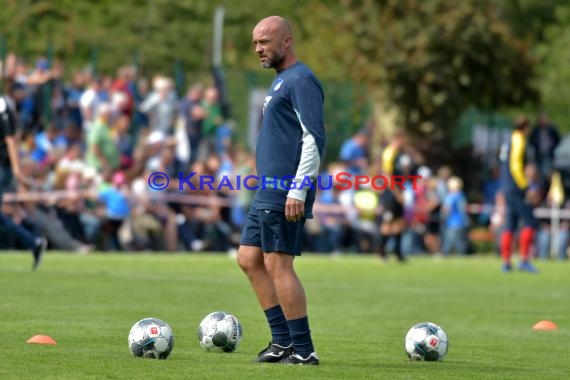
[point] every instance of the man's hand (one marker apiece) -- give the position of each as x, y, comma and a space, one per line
294, 210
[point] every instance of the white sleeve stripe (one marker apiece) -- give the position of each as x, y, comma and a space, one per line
309, 163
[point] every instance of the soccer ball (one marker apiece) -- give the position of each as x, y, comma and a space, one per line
151, 338
426, 341
220, 331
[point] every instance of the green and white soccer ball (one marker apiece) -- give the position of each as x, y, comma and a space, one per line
426, 341
151, 338
220, 331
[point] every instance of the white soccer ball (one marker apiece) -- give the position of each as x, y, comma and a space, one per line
220, 331
151, 338
426, 341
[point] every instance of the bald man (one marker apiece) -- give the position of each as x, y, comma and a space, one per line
289, 150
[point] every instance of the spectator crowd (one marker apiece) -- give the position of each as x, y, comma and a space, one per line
96, 139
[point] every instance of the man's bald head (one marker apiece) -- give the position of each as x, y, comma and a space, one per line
276, 24
273, 40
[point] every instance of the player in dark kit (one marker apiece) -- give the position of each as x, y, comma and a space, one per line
9, 169
392, 223
290, 144
514, 186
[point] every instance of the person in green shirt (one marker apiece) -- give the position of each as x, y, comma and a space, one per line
213, 119
102, 149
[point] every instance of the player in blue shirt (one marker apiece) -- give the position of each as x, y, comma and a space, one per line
290, 146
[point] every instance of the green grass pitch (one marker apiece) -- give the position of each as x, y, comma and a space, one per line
359, 312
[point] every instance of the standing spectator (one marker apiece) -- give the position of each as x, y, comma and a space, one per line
121, 95
102, 149
193, 114
544, 138
455, 217
73, 95
490, 189
212, 120
544, 234
124, 140
31, 85
543, 240
443, 175
140, 90
90, 100
497, 221
160, 106
56, 100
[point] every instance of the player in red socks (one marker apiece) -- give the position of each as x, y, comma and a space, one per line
514, 186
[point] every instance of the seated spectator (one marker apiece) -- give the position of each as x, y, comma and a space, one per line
354, 154
49, 146
223, 138
332, 222
117, 209
149, 216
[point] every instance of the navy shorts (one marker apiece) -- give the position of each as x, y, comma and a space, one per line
270, 230
518, 210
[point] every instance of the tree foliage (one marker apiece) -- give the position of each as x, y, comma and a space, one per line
530, 18
555, 69
433, 59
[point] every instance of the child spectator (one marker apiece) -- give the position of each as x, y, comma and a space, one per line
117, 209
455, 218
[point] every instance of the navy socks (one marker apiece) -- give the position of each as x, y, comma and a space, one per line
301, 335
284, 332
279, 328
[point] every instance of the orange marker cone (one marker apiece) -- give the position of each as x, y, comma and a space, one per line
41, 339
545, 325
